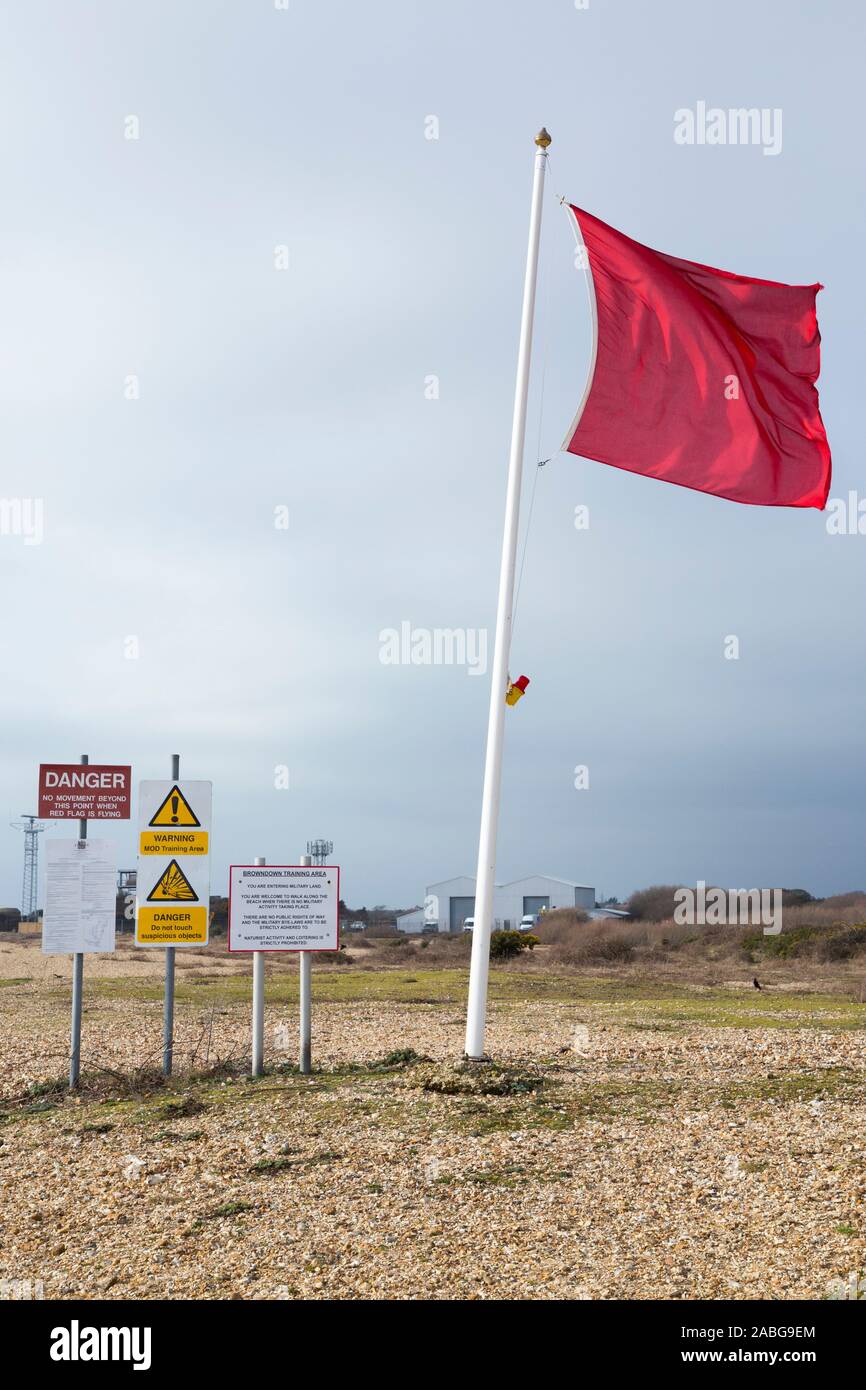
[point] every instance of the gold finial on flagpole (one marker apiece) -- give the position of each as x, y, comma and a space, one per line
542, 139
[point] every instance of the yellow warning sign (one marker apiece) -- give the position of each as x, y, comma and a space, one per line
175, 810
173, 842
171, 926
172, 886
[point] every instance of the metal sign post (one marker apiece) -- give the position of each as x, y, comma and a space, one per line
258, 1006
306, 964
77, 984
306, 992
283, 907
168, 1003
172, 886
81, 874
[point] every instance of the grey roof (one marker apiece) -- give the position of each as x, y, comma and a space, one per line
554, 878
510, 882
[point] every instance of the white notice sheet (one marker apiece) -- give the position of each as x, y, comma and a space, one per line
80, 896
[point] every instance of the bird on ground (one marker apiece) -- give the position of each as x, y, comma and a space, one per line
757, 985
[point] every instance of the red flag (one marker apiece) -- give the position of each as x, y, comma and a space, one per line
701, 377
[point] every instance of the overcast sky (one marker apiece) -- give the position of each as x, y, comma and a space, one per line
304, 388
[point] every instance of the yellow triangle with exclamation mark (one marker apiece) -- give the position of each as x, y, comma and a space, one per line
175, 810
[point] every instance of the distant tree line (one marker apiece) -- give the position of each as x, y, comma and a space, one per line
656, 904
372, 918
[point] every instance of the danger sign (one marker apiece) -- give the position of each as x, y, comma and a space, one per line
84, 791
173, 882
171, 926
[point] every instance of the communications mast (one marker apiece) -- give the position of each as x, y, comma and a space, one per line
32, 828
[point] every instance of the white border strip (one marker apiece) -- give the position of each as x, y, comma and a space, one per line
593, 309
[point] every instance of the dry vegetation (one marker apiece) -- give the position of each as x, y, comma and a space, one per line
652, 1127
816, 935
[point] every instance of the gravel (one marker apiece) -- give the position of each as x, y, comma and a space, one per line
595, 1159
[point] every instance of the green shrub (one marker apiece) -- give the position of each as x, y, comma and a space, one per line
480, 1079
506, 944
798, 941
338, 957
843, 945
839, 942
400, 1057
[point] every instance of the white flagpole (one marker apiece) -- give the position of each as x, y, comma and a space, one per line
480, 966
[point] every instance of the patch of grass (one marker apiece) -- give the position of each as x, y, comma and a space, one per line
846, 1229
639, 1099
479, 1118
229, 1209
97, 1128
840, 1083
278, 1165
645, 1101
482, 1079
512, 1175
653, 1027
180, 1108
727, 1008
507, 1176
46, 1088
396, 1060
638, 1000
273, 1165
346, 985
168, 1136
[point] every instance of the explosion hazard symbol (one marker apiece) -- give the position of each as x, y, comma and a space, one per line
172, 886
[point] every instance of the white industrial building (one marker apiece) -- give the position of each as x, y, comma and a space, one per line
412, 920
450, 902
